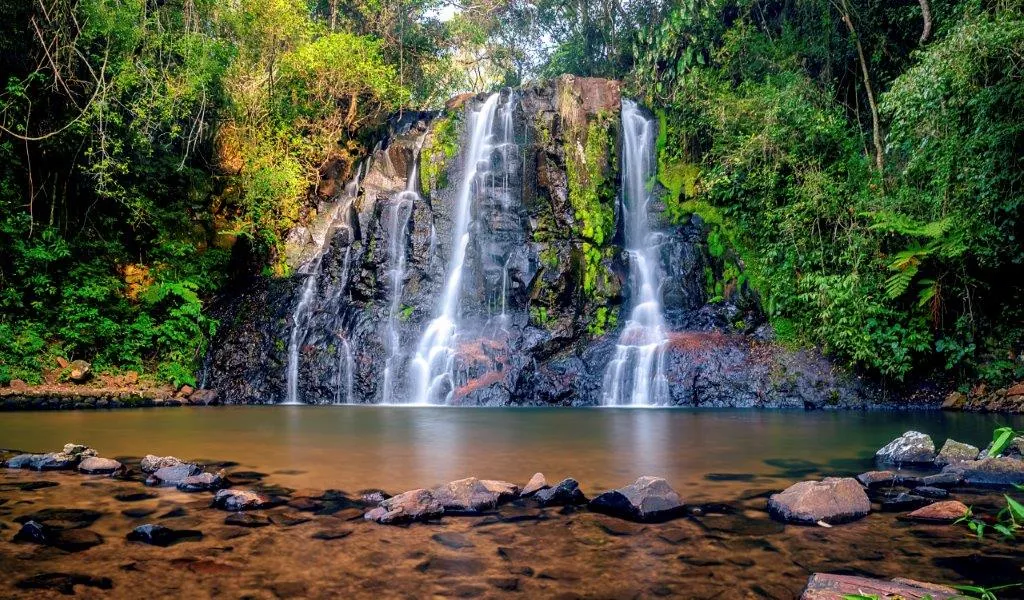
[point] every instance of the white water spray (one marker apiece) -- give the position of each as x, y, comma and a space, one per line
432, 380
636, 375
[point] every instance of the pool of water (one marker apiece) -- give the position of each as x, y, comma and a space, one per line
705, 454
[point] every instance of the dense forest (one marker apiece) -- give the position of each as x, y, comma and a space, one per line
860, 162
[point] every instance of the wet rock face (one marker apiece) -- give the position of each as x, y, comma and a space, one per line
954, 452
913, 447
237, 500
566, 493
415, 505
998, 472
832, 500
472, 495
648, 499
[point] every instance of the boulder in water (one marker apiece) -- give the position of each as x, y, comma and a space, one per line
911, 448
151, 463
946, 511
1002, 471
95, 465
648, 500
158, 535
565, 493
832, 500
953, 452
826, 586
473, 495
536, 484
202, 482
173, 475
414, 505
236, 500
874, 479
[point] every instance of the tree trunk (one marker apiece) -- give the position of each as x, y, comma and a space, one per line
876, 128
926, 12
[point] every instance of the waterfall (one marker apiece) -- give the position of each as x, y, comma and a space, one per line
636, 375
307, 293
432, 379
401, 210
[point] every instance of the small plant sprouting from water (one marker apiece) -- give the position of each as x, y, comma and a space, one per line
1008, 522
1002, 437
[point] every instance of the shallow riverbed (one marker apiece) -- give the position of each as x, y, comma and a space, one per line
729, 549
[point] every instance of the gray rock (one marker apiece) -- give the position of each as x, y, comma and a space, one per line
173, 475
954, 452
1015, 449
832, 500
934, 493
942, 480
414, 505
472, 495
913, 447
874, 479
648, 499
999, 472
565, 493
235, 500
822, 586
31, 532
79, 371
202, 482
24, 461
536, 484
151, 463
99, 466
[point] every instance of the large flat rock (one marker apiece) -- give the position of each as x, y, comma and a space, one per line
832, 500
824, 586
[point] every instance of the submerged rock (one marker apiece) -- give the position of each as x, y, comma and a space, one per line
565, 493
913, 447
826, 586
99, 466
954, 452
414, 505
1014, 449
236, 500
151, 463
832, 500
1002, 471
24, 461
173, 475
946, 511
472, 495
648, 499
64, 583
158, 535
873, 479
69, 540
241, 519
536, 484
902, 501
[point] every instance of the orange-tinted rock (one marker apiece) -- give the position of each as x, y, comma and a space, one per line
946, 511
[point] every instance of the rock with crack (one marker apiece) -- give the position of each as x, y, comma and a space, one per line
648, 500
832, 500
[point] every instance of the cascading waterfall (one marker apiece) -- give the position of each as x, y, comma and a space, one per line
401, 210
307, 294
432, 379
636, 375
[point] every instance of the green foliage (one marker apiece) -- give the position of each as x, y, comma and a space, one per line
605, 319
441, 146
1002, 437
592, 196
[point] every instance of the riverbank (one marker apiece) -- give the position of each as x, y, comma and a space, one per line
100, 396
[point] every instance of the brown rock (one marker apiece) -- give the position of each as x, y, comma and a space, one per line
93, 465
946, 511
18, 384
474, 495
825, 586
414, 505
536, 484
131, 378
832, 500
80, 371
186, 390
954, 401
62, 362
1016, 390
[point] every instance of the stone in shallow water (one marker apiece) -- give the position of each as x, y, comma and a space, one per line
946, 511
202, 482
134, 496
536, 484
332, 534
62, 518
565, 493
913, 447
246, 520
1002, 471
95, 465
152, 463
931, 492
472, 495
902, 501
235, 500
873, 479
158, 535
942, 480
824, 586
414, 505
69, 540
648, 500
455, 541
832, 500
288, 519
64, 583
954, 452
173, 475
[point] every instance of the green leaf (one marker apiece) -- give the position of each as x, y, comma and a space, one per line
1001, 438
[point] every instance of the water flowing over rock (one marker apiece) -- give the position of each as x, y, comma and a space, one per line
513, 249
636, 374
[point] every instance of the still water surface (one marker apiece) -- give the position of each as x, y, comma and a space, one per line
705, 454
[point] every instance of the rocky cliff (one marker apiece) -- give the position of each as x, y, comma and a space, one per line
543, 286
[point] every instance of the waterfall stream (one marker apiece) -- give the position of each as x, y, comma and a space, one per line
432, 380
636, 374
